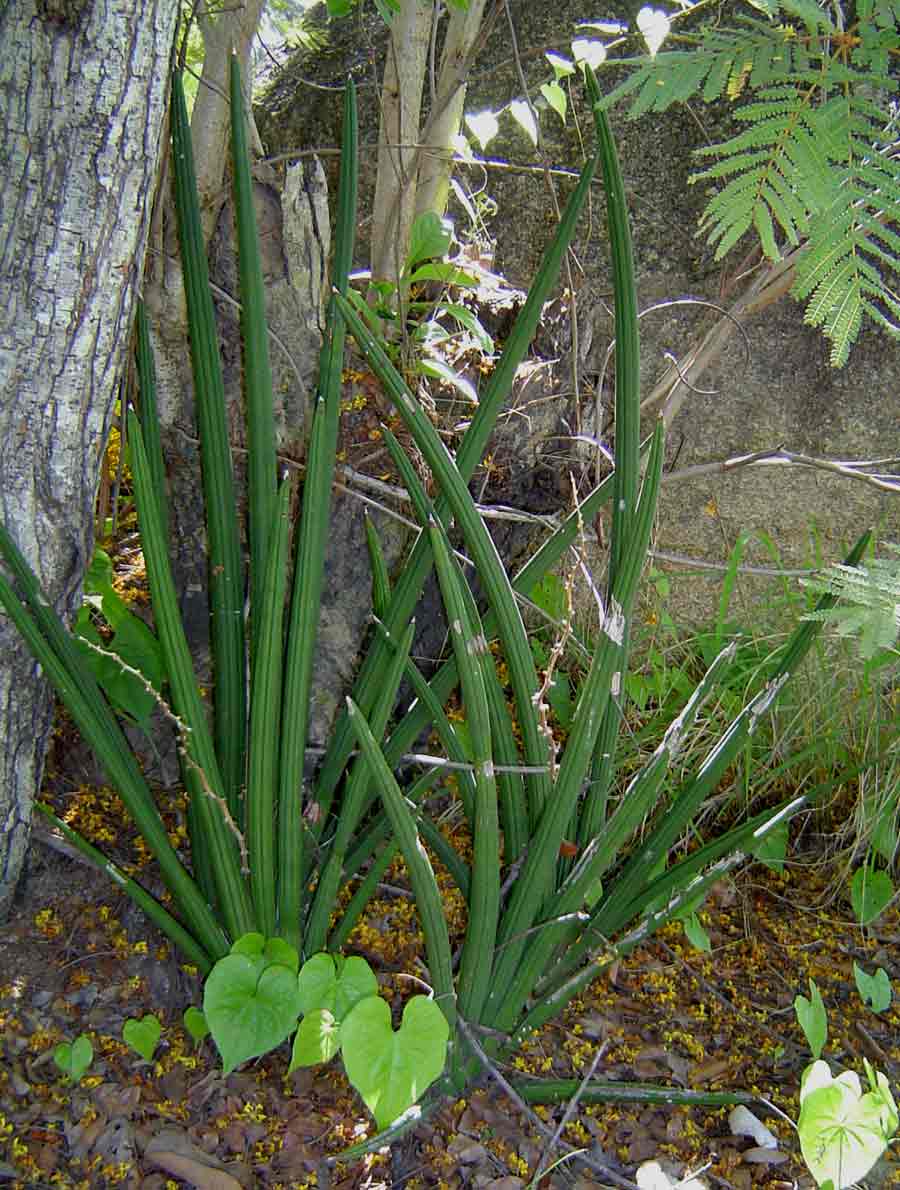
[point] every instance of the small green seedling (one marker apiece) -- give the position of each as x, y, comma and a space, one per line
142, 1035
195, 1023
870, 893
843, 1132
74, 1058
254, 997
812, 1019
392, 1070
696, 934
329, 990
251, 1000
874, 990
343, 1013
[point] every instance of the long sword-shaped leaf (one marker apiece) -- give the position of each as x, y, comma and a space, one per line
160, 916
52, 646
310, 564
353, 805
218, 832
418, 865
470, 646
690, 796
261, 464
149, 413
628, 422
583, 882
514, 812
482, 550
265, 717
226, 586
417, 718
411, 582
678, 888
534, 883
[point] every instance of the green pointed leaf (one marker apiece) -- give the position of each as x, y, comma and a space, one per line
391, 1071
142, 1035
335, 987
195, 1023
429, 237
696, 934
523, 114
874, 990
445, 272
250, 1006
556, 97
870, 893
813, 1019
317, 1040
73, 1058
561, 66
771, 849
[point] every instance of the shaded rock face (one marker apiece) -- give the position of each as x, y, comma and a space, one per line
775, 389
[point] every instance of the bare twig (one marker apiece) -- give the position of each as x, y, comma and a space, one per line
506, 1086
569, 1112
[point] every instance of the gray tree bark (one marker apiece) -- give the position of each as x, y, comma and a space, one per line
83, 87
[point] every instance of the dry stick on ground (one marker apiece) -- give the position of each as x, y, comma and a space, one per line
567, 1115
592, 1163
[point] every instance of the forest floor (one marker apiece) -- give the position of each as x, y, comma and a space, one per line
77, 959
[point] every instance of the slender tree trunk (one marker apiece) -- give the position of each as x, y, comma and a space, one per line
435, 167
401, 106
83, 87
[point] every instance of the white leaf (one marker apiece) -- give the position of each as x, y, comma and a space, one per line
654, 26
743, 1122
585, 49
483, 126
523, 115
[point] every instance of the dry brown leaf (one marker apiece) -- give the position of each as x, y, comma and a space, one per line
760, 1156
711, 1068
172, 1151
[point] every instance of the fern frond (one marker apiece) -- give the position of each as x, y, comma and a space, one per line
782, 175
869, 602
761, 51
817, 160
851, 264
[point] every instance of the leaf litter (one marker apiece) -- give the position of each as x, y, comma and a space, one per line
76, 959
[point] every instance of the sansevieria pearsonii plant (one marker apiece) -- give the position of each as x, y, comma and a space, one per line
269, 849
526, 954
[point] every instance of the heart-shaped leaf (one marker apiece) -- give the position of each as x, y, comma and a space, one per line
142, 1035
318, 1039
556, 97
870, 893
74, 1059
696, 934
841, 1130
813, 1019
874, 990
391, 1071
195, 1023
337, 987
250, 1007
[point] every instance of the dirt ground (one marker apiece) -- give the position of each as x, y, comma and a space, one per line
76, 958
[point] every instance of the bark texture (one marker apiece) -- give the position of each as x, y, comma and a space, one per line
83, 86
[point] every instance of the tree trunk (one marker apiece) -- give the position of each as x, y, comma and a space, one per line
398, 136
83, 87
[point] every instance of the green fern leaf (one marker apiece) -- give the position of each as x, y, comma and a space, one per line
810, 13
869, 602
